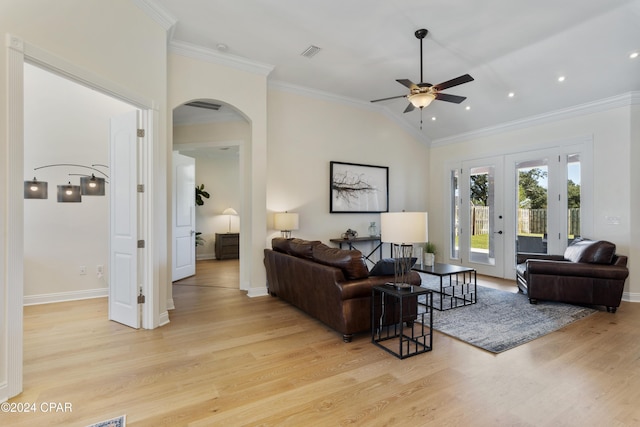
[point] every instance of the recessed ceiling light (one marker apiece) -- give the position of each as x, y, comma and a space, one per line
561, 79
511, 94
633, 55
433, 118
467, 107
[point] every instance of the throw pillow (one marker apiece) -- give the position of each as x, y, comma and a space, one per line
280, 244
386, 267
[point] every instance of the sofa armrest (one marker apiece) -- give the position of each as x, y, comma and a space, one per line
577, 269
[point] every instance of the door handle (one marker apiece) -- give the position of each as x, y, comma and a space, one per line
497, 232
194, 232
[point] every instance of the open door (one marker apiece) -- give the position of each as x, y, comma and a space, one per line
184, 216
123, 230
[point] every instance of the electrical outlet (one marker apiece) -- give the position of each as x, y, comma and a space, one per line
83, 269
99, 270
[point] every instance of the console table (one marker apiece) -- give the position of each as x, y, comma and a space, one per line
227, 245
352, 245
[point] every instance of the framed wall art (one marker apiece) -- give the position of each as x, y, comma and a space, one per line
356, 188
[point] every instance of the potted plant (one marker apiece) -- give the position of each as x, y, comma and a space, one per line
429, 255
200, 193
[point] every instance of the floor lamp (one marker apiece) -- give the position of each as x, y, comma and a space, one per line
402, 230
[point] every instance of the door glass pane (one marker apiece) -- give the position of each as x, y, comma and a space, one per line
532, 199
573, 197
481, 205
455, 215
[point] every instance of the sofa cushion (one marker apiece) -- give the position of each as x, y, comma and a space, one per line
280, 244
351, 262
589, 251
386, 267
302, 248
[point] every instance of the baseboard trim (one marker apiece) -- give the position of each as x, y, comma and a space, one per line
65, 296
631, 297
257, 292
164, 318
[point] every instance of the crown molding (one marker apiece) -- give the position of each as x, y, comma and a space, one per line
210, 55
623, 100
158, 14
352, 102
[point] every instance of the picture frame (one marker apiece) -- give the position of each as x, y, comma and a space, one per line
358, 188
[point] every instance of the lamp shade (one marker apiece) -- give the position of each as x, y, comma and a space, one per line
35, 189
421, 100
404, 227
92, 186
69, 193
286, 221
229, 211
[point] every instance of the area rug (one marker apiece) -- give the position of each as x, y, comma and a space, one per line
501, 320
113, 422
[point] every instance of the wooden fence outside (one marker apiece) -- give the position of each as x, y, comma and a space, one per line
530, 221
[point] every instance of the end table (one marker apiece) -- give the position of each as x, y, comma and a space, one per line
399, 324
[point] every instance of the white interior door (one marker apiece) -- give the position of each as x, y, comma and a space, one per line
184, 216
123, 265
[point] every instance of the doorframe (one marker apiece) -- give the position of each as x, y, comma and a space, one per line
244, 218
19, 52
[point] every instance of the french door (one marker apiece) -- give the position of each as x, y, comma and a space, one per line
535, 201
477, 217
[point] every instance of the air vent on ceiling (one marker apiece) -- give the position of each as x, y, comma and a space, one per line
310, 51
203, 104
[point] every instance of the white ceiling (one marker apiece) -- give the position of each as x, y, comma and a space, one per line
506, 45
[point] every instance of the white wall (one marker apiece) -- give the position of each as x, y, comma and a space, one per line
612, 181
221, 176
116, 44
195, 76
61, 237
306, 134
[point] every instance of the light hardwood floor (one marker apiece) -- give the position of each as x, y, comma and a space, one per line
229, 360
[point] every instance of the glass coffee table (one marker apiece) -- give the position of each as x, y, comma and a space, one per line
458, 285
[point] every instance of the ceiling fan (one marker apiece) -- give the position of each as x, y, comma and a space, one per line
420, 95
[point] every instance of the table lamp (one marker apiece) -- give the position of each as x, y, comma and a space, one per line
402, 230
229, 212
285, 222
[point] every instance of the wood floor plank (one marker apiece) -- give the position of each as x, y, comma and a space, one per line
226, 359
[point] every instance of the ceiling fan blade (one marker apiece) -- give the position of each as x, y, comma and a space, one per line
450, 98
392, 97
408, 83
454, 82
410, 107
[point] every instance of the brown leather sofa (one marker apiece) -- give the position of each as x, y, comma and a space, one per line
589, 272
330, 284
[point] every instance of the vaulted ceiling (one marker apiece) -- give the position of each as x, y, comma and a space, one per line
519, 47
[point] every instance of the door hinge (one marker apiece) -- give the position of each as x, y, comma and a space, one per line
140, 188
141, 133
140, 298
140, 244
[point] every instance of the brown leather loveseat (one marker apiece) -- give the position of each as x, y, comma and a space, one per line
330, 284
589, 272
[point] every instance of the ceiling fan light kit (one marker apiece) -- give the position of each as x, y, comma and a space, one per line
422, 94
